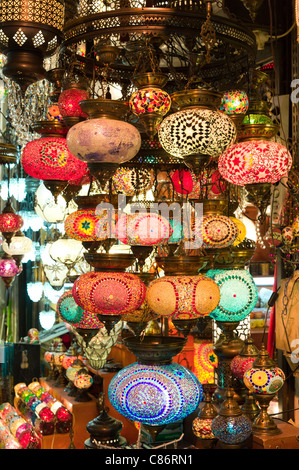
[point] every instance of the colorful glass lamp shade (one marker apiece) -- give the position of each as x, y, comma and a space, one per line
109, 295
238, 294
218, 231
142, 229
182, 297
69, 104
205, 361
264, 379
196, 131
154, 391
70, 312
9, 269
150, 102
257, 161
131, 181
234, 102
19, 245
87, 225
10, 222
48, 158
231, 427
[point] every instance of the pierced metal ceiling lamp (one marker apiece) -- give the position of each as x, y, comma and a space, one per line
28, 34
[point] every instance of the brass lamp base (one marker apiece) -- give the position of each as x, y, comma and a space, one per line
263, 423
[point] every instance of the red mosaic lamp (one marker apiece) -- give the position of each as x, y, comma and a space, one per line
49, 159
109, 295
69, 101
9, 269
10, 222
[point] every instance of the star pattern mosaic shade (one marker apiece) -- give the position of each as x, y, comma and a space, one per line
251, 162
109, 293
234, 102
10, 222
90, 225
155, 395
196, 131
205, 361
238, 294
49, 158
182, 297
129, 181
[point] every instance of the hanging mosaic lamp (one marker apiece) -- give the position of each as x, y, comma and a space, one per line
182, 297
241, 228
28, 36
69, 99
49, 159
99, 347
53, 113
142, 229
196, 131
92, 222
264, 379
109, 295
205, 361
255, 161
231, 427
186, 183
88, 140
132, 181
245, 359
66, 251
10, 222
154, 391
218, 231
9, 269
150, 102
238, 294
235, 104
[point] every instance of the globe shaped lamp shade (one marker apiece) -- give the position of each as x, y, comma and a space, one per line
53, 113
234, 102
10, 222
143, 229
90, 224
131, 181
264, 381
88, 140
149, 98
238, 294
155, 395
47, 317
251, 162
109, 293
70, 312
196, 131
99, 347
48, 208
231, 427
182, 297
205, 361
8, 267
241, 228
19, 245
217, 231
48, 158
244, 361
69, 102
150, 102
186, 183
66, 251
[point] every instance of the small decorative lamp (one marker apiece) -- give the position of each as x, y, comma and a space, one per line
49, 358
155, 391
19, 245
47, 317
235, 104
150, 102
264, 379
69, 102
132, 181
58, 355
66, 251
83, 381
35, 290
50, 210
9, 269
231, 427
196, 115
186, 183
104, 432
99, 347
10, 222
205, 361
241, 363
201, 425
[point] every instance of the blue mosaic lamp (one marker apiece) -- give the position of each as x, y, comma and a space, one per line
238, 294
155, 391
231, 427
